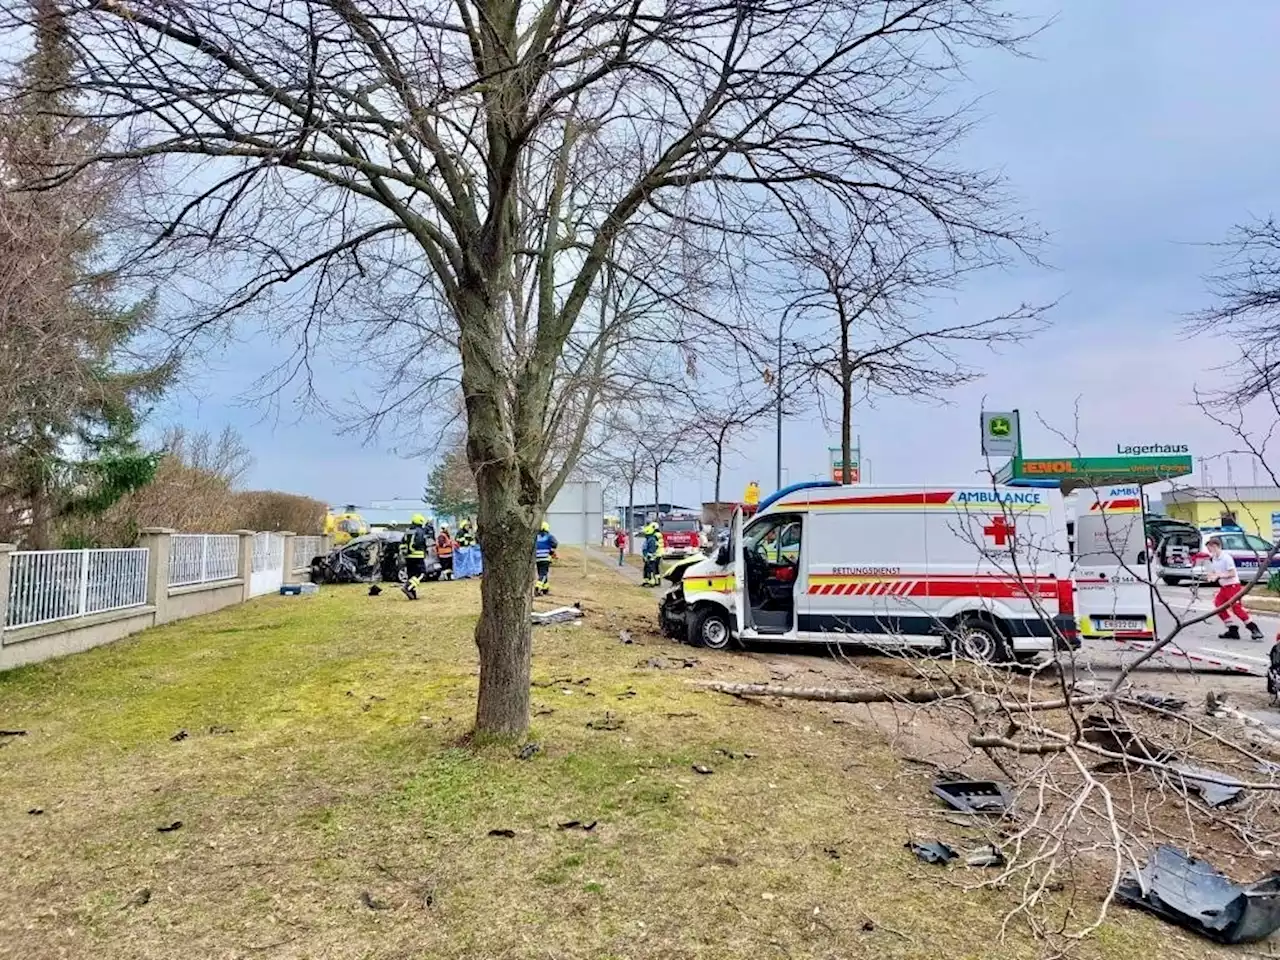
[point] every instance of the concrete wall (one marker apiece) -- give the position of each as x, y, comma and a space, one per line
23, 645
576, 514
199, 598
48, 640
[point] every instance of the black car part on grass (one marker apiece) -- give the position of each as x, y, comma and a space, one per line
1194, 895
1199, 780
974, 796
932, 851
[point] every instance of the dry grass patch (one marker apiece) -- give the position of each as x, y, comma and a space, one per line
329, 811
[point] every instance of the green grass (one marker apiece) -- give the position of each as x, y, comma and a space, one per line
324, 761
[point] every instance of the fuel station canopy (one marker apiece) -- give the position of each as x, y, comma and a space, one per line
1073, 473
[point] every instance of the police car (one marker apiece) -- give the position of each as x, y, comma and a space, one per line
1247, 549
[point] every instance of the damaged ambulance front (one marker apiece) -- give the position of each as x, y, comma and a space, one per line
699, 606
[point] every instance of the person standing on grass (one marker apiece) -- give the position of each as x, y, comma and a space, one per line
544, 548
414, 546
1222, 571
444, 551
620, 541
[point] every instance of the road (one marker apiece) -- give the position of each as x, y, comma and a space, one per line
1200, 644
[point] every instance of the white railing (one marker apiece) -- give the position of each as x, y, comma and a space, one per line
268, 552
48, 585
304, 549
203, 558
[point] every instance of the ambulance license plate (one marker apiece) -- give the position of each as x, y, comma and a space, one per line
1120, 623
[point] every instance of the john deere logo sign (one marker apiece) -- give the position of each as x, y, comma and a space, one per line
1000, 434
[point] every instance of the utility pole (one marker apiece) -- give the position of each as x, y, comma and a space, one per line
777, 483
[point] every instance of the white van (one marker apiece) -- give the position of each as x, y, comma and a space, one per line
1109, 546
982, 570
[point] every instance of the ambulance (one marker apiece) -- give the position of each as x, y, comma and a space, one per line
1109, 546
981, 571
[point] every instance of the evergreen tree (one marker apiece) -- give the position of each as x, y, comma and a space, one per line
451, 486
70, 408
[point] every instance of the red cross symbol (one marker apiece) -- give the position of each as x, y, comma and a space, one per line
1000, 530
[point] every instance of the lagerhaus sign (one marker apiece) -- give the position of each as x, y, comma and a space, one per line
1142, 450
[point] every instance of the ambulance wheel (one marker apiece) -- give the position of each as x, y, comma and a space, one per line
980, 641
710, 628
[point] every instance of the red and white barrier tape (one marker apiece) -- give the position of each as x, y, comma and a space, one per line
1172, 651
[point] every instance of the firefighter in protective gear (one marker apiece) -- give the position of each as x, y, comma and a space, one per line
650, 551
544, 547
414, 547
444, 552
465, 537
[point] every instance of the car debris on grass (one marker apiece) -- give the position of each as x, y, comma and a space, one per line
1195, 895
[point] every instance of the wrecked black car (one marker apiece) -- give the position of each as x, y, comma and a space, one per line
368, 559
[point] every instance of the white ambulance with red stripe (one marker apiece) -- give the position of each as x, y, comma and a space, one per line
982, 571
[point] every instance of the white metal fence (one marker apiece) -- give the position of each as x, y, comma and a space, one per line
48, 585
304, 549
203, 558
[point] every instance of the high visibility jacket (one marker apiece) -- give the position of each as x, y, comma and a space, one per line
651, 545
543, 544
465, 537
444, 546
415, 543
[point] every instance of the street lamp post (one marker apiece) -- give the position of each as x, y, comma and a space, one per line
778, 476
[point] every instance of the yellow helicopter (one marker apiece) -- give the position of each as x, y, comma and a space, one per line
345, 526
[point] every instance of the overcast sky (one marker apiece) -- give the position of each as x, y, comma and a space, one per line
1136, 131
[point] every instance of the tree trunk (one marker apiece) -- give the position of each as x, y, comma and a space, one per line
719, 465
846, 429
509, 495
503, 633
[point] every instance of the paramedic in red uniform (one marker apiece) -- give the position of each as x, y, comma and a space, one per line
1222, 570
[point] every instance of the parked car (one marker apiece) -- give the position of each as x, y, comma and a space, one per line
1248, 550
1176, 547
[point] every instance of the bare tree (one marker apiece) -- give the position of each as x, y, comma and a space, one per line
722, 421
864, 295
1247, 312
480, 161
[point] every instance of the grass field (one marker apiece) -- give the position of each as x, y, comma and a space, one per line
330, 809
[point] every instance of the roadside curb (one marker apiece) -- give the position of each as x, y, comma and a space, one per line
1262, 604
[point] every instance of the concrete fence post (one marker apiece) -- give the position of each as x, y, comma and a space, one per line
158, 544
287, 554
246, 560
6, 565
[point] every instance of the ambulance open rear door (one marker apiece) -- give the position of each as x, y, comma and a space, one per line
1113, 595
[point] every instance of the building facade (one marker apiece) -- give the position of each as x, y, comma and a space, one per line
1253, 509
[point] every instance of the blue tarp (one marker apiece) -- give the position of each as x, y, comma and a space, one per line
467, 562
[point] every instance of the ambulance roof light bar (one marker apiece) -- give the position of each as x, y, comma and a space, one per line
785, 491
